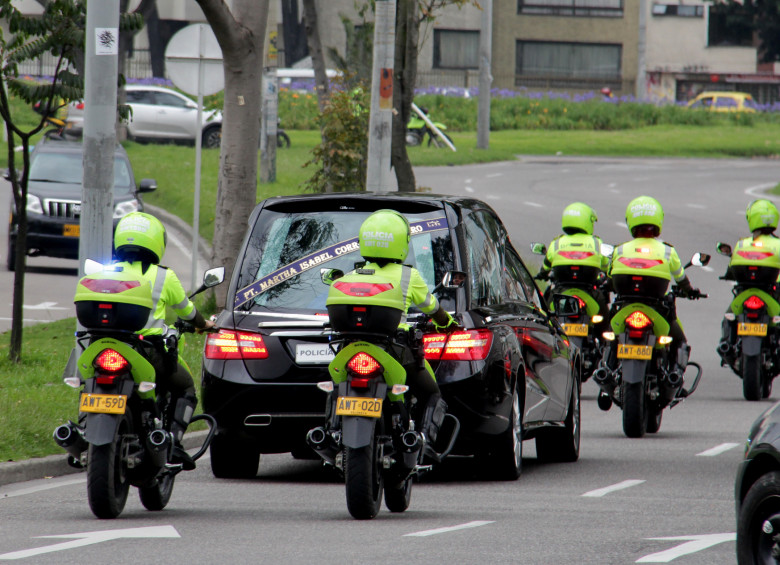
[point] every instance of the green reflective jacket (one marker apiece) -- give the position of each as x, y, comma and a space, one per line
647, 257
761, 251
577, 249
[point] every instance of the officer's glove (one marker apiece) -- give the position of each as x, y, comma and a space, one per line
449, 327
542, 276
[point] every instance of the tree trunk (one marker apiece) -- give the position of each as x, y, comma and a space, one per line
241, 35
406, 33
315, 50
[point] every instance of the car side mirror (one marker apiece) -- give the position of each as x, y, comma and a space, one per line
723, 249
147, 185
329, 276
213, 277
565, 305
453, 279
538, 248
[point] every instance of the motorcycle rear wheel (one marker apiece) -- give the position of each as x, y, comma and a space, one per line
655, 414
363, 480
635, 414
107, 480
751, 377
398, 497
157, 497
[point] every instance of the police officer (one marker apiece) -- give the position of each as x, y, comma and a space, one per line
578, 247
139, 243
762, 218
645, 219
384, 243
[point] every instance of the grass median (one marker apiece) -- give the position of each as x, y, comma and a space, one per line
33, 399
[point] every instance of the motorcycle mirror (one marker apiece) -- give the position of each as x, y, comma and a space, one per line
700, 259
607, 249
328, 276
565, 305
538, 248
213, 277
91, 267
723, 249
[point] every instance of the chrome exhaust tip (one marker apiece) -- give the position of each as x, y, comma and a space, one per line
70, 437
158, 446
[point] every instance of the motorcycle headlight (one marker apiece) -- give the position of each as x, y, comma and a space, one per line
124, 208
34, 204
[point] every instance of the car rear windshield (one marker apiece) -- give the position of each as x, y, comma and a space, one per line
68, 168
286, 251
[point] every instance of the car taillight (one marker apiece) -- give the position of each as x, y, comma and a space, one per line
468, 345
228, 344
637, 322
363, 364
111, 361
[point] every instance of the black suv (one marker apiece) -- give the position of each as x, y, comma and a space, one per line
510, 375
54, 199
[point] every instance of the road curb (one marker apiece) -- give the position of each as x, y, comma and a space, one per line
57, 466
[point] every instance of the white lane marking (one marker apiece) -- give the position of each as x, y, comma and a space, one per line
45, 486
44, 306
534, 204
622, 224
717, 450
89, 538
612, 488
693, 544
492, 197
708, 269
750, 191
494, 175
697, 206
468, 181
612, 185
469, 189
448, 529
179, 245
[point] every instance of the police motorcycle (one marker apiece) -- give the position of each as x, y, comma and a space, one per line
751, 327
642, 378
582, 327
123, 435
370, 435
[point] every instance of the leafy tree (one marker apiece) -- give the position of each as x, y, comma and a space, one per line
761, 17
240, 31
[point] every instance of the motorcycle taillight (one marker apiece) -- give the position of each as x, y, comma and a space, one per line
111, 361
754, 303
363, 365
637, 322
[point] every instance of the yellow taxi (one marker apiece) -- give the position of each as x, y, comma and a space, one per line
724, 102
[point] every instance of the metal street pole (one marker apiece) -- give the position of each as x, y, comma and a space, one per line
485, 76
380, 123
100, 79
641, 80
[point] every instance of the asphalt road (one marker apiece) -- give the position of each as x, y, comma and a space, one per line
50, 283
667, 497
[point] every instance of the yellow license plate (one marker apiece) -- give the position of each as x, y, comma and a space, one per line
644, 352
578, 330
103, 403
356, 406
71, 230
744, 328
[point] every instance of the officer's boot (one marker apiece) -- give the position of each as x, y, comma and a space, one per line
433, 417
183, 408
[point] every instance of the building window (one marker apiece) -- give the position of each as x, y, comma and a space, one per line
455, 49
577, 8
570, 60
678, 10
729, 25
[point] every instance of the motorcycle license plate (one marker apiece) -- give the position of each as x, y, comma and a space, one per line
744, 328
356, 406
103, 403
577, 330
643, 352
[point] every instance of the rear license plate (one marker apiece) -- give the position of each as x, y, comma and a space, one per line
103, 403
643, 352
355, 406
71, 230
744, 328
308, 353
577, 330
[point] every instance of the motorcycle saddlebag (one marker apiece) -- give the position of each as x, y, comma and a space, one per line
584, 274
638, 285
113, 300
364, 303
754, 274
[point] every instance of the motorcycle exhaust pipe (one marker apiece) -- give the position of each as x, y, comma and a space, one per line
322, 443
71, 438
724, 348
158, 446
411, 441
674, 379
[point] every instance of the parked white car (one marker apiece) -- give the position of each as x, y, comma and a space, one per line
162, 114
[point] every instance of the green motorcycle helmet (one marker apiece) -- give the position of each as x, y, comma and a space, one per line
761, 214
643, 211
384, 235
140, 237
578, 218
